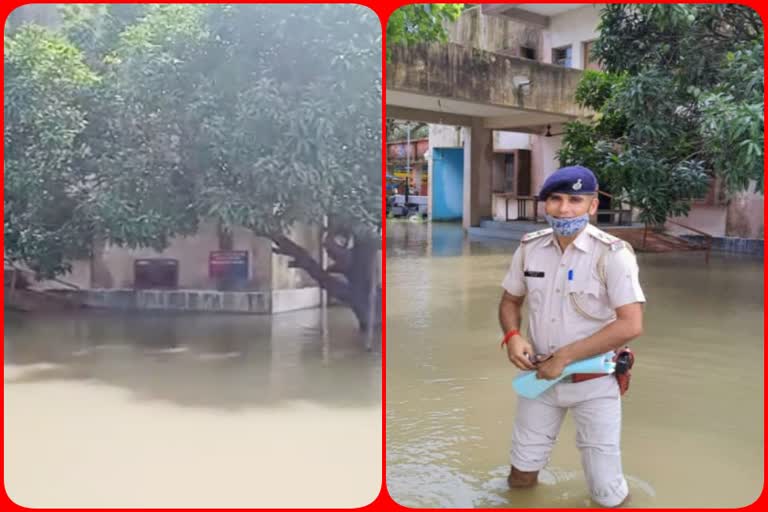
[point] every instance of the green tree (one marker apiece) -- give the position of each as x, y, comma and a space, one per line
680, 102
46, 79
257, 116
398, 130
420, 23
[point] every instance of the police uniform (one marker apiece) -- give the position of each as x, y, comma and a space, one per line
571, 295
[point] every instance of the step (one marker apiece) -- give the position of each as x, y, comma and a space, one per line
528, 226
503, 234
524, 227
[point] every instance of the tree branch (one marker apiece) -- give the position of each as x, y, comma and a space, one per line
339, 254
336, 269
302, 259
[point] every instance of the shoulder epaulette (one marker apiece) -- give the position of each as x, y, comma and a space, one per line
535, 234
613, 242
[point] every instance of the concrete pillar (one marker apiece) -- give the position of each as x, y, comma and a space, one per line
478, 169
544, 159
417, 179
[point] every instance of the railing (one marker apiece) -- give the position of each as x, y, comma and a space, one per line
522, 205
616, 212
707, 246
522, 208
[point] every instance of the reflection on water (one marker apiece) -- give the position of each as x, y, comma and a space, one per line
183, 410
693, 419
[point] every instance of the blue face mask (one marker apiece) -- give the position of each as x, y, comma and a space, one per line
567, 227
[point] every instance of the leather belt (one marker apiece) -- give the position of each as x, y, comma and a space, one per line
581, 377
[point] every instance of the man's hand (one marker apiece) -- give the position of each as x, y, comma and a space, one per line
519, 350
551, 368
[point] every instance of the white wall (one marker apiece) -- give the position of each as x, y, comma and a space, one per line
288, 278
445, 136
571, 28
503, 207
544, 159
506, 141
710, 219
292, 300
79, 276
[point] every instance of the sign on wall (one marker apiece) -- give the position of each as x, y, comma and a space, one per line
228, 265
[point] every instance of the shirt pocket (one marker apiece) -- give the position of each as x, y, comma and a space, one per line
536, 286
590, 300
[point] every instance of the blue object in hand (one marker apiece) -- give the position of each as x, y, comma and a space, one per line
528, 385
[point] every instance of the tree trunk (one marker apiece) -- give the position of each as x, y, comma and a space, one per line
352, 279
362, 282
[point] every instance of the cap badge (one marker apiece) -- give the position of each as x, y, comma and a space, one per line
577, 185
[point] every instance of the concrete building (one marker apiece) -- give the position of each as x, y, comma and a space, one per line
500, 91
195, 274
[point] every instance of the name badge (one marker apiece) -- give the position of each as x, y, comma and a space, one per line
533, 273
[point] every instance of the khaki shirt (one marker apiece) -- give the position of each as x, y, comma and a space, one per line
572, 294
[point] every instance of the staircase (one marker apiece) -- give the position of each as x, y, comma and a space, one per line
648, 240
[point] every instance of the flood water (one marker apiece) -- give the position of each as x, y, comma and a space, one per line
108, 410
693, 418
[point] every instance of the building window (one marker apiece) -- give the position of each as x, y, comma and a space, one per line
562, 56
528, 53
509, 172
589, 61
156, 273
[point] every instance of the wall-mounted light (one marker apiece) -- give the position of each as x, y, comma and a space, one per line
549, 133
521, 82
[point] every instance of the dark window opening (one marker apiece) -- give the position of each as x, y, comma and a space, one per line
562, 56
590, 61
509, 172
527, 53
156, 273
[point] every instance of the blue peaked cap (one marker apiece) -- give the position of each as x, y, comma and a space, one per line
569, 180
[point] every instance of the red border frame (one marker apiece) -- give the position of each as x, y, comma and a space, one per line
384, 8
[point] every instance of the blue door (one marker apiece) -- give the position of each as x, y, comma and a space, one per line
447, 183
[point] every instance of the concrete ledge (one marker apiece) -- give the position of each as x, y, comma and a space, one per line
179, 300
455, 72
754, 246
291, 300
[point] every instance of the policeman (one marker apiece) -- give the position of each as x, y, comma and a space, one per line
584, 299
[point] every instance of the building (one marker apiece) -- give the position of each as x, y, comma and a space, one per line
209, 271
515, 68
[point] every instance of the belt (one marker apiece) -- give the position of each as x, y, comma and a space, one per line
581, 377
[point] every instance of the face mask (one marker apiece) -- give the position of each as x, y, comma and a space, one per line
567, 227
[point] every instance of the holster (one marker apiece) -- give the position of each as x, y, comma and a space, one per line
624, 360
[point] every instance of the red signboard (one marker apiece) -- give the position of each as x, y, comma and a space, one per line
230, 265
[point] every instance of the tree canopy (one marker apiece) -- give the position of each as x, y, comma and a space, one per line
680, 102
420, 23
136, 122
